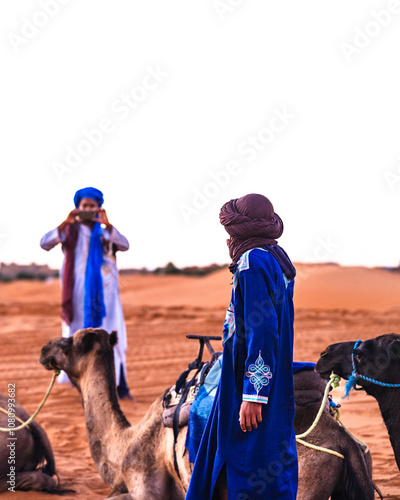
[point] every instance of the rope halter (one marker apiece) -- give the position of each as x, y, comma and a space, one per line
354, 377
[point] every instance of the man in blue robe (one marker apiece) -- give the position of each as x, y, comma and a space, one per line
248, 449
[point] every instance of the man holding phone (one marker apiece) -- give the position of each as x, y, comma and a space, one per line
89, 275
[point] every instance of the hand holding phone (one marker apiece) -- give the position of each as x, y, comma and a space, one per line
85, 215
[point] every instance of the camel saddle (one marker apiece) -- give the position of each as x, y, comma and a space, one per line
171, 401
179, 398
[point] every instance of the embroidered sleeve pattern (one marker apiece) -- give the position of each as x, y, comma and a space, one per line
259, 375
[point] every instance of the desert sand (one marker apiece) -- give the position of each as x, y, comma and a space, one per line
332, 304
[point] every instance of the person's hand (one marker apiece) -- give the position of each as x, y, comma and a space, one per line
103, 219
69, 220
250, 415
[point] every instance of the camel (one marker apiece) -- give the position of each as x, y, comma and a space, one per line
350, 478
137, 461
28, 462
378, 359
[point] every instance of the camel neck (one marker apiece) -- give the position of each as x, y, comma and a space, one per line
99, 394
106, 425
388, 400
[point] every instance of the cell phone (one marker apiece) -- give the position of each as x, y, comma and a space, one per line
87, 214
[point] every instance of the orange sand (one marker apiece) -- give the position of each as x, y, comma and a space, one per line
332, 303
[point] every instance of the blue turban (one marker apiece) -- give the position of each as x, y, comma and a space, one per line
91, 193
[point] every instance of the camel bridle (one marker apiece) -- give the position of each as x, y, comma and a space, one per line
352, 382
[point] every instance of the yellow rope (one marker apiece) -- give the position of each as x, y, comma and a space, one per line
31, 418
12, 415
334, 381
315, 447
337, 418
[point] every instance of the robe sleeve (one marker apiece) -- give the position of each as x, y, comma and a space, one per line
261, 336
115, 237
51, 239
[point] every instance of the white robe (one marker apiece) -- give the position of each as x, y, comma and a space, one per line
114, 319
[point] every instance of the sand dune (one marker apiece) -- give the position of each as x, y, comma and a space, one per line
332, 304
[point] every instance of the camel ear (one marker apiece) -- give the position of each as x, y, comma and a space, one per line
113, 338
66, 345
88, 341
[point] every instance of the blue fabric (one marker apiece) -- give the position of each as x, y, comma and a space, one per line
199, 413
94, 309
201, 409
302, 365
91, 193
256, 366
332, 404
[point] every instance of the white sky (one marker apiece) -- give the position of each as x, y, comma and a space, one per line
223, 77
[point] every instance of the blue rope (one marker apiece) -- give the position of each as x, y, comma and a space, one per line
352, 382
382, 384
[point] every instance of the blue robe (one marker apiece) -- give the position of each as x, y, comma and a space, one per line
256, 366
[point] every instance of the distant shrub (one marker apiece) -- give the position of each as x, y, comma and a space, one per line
5, 279
170, 268
194, 271
25, 275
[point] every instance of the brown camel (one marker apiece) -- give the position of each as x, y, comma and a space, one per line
26, 462
378, 359
137, 461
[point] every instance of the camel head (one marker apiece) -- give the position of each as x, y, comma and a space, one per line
87, 347
377, 358
336, 358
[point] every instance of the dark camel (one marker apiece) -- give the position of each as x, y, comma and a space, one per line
137, 461
323, 476
31, 455
378, 359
